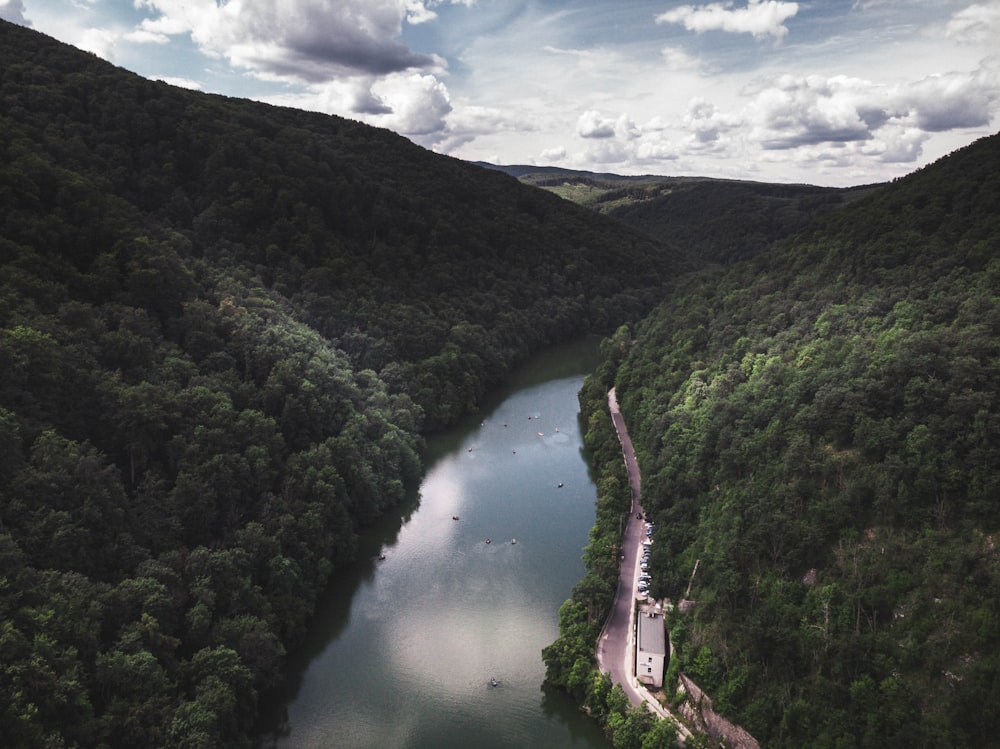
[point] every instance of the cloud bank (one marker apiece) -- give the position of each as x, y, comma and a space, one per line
311, 41
843, 93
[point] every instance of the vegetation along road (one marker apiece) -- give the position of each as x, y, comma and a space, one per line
614, 648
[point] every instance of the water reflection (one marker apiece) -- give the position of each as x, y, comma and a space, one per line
403, 650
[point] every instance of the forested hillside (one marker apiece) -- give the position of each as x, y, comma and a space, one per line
223, 327
819, 431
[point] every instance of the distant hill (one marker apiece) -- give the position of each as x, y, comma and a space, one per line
717, 220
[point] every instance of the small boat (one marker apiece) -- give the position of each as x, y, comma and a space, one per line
513, 540
454, 517
489, 540
561, 484
494, 682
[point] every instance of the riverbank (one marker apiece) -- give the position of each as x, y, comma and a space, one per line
616, 646
404, 647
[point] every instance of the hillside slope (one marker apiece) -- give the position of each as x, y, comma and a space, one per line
819, 429
386, 248
223, 327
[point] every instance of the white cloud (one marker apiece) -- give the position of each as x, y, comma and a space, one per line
760, 17
99, 41
706, 124
13, 11
975, 24
421, 11
142, 36
180, 82
419, 104
676, 58
301, 40
953, 100
626, 129
657, 150
417, 12
608, 151
888, 122
360, 98
592, 124
896, 143
553, 155
791, 111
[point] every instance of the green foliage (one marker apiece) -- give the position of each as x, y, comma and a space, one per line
818, 429
223, 327
442, 274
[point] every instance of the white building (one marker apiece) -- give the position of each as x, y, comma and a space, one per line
651, 648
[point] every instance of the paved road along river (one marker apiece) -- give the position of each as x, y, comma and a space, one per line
615, 649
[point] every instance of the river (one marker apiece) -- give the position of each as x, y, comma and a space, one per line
403, 649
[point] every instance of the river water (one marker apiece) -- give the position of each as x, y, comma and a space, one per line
403, 649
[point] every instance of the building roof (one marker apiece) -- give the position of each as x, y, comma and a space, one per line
652, 635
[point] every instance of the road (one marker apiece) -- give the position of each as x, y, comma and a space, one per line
615, 648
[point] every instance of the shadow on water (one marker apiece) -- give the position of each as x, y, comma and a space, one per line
557, 705
333, 608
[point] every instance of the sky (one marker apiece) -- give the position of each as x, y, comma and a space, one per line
825, 92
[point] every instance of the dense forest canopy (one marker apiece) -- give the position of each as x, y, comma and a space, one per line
819, 429
395, 254
223, 328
